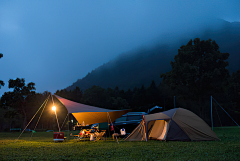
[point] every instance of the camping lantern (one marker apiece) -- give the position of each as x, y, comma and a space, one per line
58, 136
54, 108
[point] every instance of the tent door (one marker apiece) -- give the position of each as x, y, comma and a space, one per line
159, 130
164, 132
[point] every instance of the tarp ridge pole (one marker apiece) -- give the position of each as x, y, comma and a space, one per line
57, 121
64, 121
211, 113
108, 125
226, 112
56, 114
31, 119
145, 128
68, 126
112, 125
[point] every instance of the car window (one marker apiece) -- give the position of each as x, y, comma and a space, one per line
123, 118
134, 117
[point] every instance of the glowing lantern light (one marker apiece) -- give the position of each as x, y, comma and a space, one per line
54, 108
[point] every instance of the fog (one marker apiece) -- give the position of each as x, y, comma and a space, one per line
54, 43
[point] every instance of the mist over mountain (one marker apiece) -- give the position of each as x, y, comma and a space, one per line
140, 66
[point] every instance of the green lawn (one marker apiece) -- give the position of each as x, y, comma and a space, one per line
42, 147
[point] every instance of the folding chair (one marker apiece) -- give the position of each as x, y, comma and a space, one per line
101, 135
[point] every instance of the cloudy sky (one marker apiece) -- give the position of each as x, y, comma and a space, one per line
54, 43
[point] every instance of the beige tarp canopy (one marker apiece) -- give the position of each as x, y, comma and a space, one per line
90, 114
174, 124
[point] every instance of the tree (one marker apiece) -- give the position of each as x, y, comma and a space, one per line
17, 98
139, 98
95, 96
234, 90
1, 82
77, 94
199, 70
152, 93
119, 103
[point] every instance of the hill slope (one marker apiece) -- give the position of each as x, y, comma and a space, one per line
143, 65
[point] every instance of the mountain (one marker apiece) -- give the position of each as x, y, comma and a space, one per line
141, 66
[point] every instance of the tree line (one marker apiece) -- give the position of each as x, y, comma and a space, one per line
199, 70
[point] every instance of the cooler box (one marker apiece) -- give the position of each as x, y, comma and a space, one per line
58, 136
103, 126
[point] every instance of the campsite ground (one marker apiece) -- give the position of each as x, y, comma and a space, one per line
42, 147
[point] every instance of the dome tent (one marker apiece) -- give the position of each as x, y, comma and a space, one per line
174, 124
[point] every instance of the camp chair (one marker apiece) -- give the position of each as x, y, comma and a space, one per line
101, 135
81, 136
76, 137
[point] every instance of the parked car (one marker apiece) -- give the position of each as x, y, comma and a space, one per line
129, 121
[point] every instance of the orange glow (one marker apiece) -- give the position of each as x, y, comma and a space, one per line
54, 108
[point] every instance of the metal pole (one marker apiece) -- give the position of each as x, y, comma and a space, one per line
145, 128
112, 125
56, 114
68, 135
211, 113
164, 103
174, 102
57, 121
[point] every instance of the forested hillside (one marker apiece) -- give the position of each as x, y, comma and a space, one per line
192, 72
141, 66
199, 71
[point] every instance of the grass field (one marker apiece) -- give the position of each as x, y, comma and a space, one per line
42, 147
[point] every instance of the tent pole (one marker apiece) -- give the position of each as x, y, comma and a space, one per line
68, 127
112, 125
211, 113
145, 128
174, 102
164, 102
56, 114
108, 126
31, 119
57, 121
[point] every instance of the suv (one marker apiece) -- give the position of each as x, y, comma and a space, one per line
129, 121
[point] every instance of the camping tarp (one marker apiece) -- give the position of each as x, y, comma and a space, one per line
174, 124
90, 114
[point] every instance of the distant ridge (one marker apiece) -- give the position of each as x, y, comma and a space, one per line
140, 67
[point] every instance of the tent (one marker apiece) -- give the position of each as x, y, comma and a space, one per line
174, 124
90, 114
